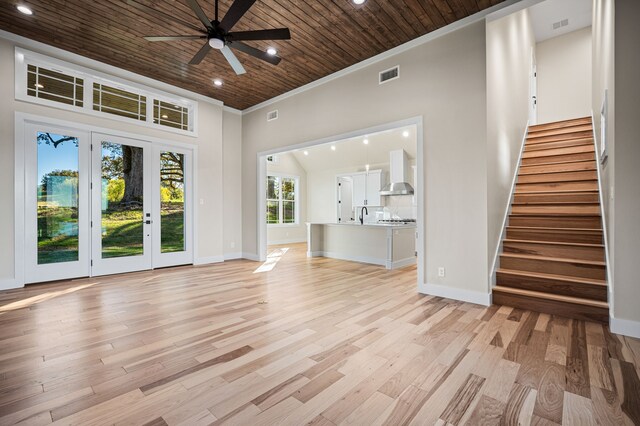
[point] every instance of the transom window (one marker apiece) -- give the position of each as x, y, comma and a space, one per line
51, 82
119, 102
282, 200
54, 86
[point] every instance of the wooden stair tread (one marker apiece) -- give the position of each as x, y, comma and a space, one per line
558, 191
565, 278
554, 259
554, 163
543, 228
559, 124
550, 296
560, 243
560, 131
551, 203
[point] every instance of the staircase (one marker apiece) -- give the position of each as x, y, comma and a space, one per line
553, 258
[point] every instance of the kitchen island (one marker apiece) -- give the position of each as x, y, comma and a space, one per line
388, 245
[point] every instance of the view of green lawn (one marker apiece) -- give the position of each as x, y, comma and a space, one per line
121, 232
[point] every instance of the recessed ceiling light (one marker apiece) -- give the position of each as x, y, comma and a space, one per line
165, 116
365, 141
217, 82
358, 1
25, 10
405, 134
306, 153
39, 86
333, 147
272, 51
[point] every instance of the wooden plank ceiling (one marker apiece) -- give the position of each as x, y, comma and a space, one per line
327, 36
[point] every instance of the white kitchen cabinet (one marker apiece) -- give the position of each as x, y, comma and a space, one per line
366, 188
359, 189
374, 185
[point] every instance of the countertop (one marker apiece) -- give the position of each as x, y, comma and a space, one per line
368, 225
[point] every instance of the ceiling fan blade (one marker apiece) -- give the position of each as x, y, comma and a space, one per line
161, 15
272, 59
235, 12
174, 38
193, 4
233, 61
274, 34
200, 55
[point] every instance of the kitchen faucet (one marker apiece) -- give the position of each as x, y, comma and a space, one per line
362, 215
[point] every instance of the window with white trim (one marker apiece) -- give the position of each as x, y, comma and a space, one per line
119, 102
52, 82
282, 200
54, 86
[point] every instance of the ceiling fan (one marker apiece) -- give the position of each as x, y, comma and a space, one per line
219, 36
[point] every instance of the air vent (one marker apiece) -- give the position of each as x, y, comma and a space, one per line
272, 115
560, 24
390, 74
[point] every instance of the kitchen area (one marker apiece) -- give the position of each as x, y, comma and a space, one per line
374, 203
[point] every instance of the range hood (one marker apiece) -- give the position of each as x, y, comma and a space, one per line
398, 169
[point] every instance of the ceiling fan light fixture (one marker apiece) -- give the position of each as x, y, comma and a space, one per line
272, 51
358, 1
216, 43
24, 10
217, 82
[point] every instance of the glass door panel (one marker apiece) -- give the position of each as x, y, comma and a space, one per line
122, 213
57, 210
172, 212
121, 205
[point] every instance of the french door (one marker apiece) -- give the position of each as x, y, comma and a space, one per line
100, 204
57, 170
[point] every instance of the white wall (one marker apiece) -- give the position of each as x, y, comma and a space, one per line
564, 76
510, 44
626, 172
284, 234
443, 81
232, 184
209, 168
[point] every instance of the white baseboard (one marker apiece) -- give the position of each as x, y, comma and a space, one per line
233, 256
402, 263
287, 241
456, 294
251, 256
208, 260
342, 256
9, 284
625, 327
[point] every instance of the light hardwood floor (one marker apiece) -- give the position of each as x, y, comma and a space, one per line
313, 340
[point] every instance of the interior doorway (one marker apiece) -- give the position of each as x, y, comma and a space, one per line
97, 203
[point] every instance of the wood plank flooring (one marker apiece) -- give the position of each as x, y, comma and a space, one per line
297, 341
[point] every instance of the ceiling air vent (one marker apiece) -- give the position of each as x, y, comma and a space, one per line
390, 74
560, 24
272, 115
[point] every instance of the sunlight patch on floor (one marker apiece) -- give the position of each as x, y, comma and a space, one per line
272, 259
25, 303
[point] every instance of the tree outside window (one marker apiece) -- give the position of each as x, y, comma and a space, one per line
281, 200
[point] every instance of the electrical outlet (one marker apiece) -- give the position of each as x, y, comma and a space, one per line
201, 201
441, 271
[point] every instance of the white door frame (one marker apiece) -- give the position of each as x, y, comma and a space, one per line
533, 90
35, 272
261, 184
21, 120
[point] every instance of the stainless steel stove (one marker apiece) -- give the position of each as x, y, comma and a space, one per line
397, 221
